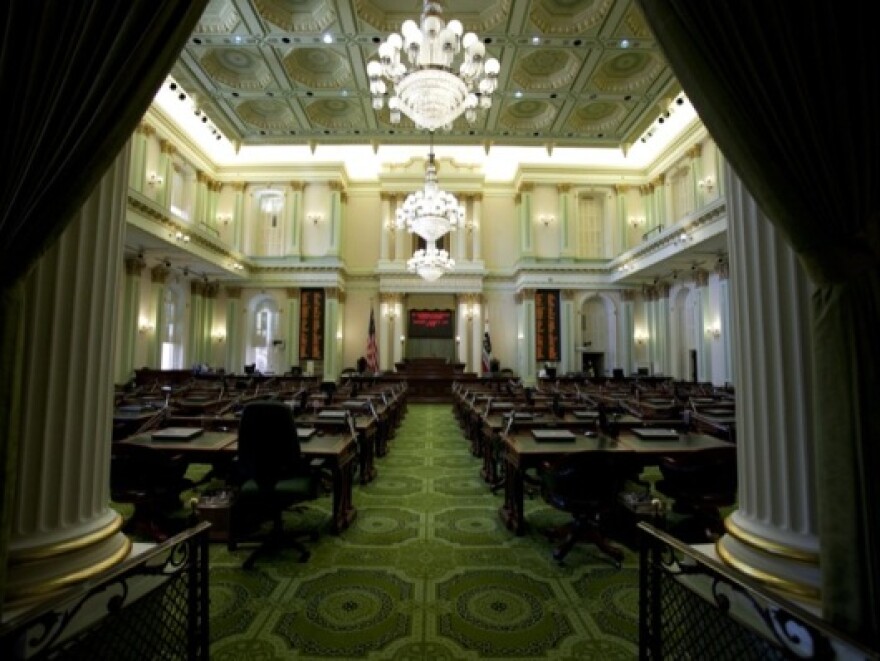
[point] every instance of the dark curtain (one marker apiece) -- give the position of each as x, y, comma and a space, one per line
789, 92
77, 78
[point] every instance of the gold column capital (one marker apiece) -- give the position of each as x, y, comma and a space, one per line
134, 266
159, 274
292, 293
233, 292
166, 147
297, 186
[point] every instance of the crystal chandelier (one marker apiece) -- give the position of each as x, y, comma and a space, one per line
430, 92
430, 263
430, 212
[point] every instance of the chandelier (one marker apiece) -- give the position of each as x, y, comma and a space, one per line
430, 263
430, 92
430, 212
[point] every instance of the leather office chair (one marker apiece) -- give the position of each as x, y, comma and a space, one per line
699, 485
585, 484
272, 476
151, 481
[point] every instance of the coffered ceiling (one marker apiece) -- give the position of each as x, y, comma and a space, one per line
584, 73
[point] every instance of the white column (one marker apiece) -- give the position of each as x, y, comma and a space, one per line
158, 278
63, 529
704, 350
386, 222
773, 536
627, 327
662, 346
527, 367
526, 226
475, 234
238, 215
234, 361
293, 326
294, 218
459, 236
137, 176
567, 333
402, 240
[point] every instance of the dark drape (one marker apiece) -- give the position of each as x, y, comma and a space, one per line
789, 93
77, 78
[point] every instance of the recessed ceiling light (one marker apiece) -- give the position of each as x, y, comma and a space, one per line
237, 39
328, 38
518, 94
624, 43
536, 40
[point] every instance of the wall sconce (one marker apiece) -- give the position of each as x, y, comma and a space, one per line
636, 221
315, 218
682, 239
219, 336
145, 327
402, 339
707, 183
458, 339
471, 311
641, 337
470, 225
546, 219
713, 332
224, 218
237, 267
154, 179
391, 226
391, 313
180, 236
338, 335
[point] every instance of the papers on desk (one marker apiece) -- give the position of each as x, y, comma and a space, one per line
333, 415
520, 415
177, 433
553, 435
585, 414
653, 434
134, 408
305, 433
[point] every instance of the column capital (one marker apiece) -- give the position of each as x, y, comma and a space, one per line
146, 129
197, 287
336, 186
239, 186
297, 186
134, 265
202, 177
292, 292
166, 147
159, 274
695, 151
621, 189
663, 289
568, 294
233, 292
722, 269
562, 189
628, 295
211, 289
701, 278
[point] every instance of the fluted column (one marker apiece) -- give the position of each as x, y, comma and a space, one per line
293, 325
526, 225
459, 237
696, 174
661, 346
659, 199
646, 192
402, 240
621, 221
137, 175
234, 320
773, 535
238, 217
386, 227
211, 291
567, 332
331, 343
527, 352
294, 221
166, 170
627, 331
158, 278
704, 350
476, 219
213, 198
200, 213
723, 271
196, 323
567, 214
63, 530
337, 211
131, 302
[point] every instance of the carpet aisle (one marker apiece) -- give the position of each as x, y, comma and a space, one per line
427, 571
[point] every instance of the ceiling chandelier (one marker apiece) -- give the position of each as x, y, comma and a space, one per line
430, 92
430, 263
430, 212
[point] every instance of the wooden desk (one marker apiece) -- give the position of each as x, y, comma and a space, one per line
367, 430
201, 449
522, 452
338, 450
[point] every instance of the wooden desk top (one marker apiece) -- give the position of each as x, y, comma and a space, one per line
317, 446
210, 441
525, 444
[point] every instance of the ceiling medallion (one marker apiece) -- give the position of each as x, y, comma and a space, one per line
429, 92
430, 263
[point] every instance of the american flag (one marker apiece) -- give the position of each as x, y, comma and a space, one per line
372, 349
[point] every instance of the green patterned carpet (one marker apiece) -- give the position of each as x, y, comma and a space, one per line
427, 571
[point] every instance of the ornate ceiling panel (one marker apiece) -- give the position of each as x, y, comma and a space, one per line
583, 73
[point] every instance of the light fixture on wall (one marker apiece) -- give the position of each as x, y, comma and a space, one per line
640, 337
430, 263
154, 179
546, 219
471, 311
180, 236
707, 183
682, 238
219, 336
636, 221
713, 332
430, 212
391, 312
224, 218
315, 218
145, 327
429, 91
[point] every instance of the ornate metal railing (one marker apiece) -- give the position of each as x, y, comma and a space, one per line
693, 607
152, 606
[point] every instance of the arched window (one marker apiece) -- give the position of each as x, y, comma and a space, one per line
265, 335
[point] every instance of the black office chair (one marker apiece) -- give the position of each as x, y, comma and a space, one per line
585, 484
272, 476
699, 485
151, 481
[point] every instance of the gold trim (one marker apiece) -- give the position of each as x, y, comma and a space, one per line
800, 591
69, 546
48, 588
767, 546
